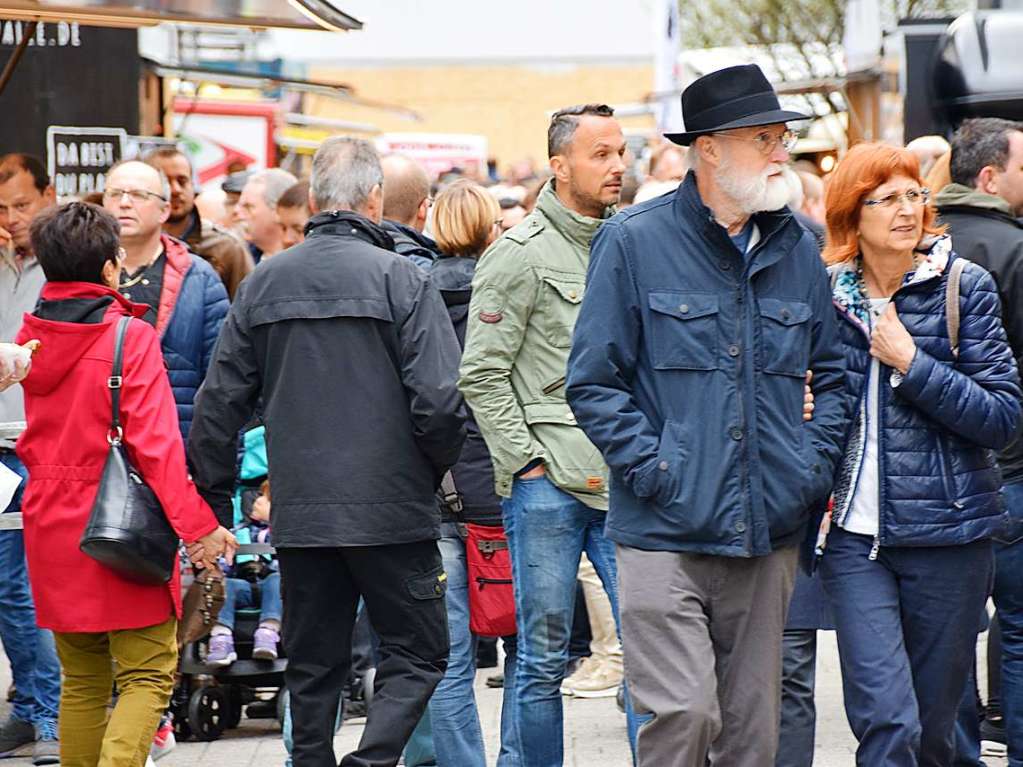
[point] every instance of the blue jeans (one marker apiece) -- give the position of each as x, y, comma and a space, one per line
547, 531
33, 655
452, 715
1008, 596
238, 595
907, 628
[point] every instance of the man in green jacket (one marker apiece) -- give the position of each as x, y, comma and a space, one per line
526, 296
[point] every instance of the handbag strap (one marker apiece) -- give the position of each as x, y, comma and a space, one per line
114, 383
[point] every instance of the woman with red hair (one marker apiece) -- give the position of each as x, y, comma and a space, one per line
908, 560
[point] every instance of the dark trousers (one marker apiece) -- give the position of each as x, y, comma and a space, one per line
907, 626
967, 728
1008, 596
798, 712
403, 589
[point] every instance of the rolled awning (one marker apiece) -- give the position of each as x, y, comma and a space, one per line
262, 81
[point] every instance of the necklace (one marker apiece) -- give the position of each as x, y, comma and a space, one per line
141, 272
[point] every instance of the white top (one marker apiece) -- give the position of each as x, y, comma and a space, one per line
863, 514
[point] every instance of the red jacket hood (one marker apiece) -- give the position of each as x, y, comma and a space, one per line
65, 343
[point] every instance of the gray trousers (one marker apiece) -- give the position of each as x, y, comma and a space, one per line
703, 647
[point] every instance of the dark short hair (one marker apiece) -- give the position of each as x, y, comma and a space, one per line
565, 121
295, 196
73, 241
980, 142
165, 153
15, 162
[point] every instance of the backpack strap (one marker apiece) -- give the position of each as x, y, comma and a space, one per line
955, 274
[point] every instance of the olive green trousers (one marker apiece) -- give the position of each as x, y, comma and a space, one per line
142, 662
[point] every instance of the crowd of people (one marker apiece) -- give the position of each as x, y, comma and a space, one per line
724, 406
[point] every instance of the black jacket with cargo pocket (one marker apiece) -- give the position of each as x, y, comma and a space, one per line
350, 350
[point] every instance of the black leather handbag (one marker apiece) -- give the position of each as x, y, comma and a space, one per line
127, 529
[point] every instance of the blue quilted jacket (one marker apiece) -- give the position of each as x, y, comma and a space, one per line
193, 304
939, 424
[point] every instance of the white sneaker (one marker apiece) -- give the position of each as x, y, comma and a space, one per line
581, 672
601, 681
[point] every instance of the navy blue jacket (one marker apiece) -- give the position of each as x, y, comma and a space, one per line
939, 426
474, 472
193, 304
687, 372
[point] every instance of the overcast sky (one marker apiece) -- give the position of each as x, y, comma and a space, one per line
423, 30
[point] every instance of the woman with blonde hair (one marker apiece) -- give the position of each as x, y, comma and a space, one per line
466, 219
908, 561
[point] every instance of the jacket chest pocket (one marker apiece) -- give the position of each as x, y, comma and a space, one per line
784, 336
561, 300
683, 330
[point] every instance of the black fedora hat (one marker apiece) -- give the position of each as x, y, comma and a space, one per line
734, 97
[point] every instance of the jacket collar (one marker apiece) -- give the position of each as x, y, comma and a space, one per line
61, 291
347, 222
573, 226
398, 230
690, 209
962, 196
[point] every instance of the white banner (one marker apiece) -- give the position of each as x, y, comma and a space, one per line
667, 44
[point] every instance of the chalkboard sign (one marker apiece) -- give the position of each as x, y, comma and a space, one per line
69, 75
78, 159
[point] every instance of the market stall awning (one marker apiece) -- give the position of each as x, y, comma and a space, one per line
261, 81
264, 14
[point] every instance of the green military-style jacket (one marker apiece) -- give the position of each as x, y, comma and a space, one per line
526, 296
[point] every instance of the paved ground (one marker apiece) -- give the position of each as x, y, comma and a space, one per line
594, 732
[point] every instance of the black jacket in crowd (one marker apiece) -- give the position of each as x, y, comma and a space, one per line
411, 243
993, 239
349, 349
474, 472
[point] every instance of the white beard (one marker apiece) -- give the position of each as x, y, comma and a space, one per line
753, 195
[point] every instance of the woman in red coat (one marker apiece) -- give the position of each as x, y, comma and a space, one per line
95, 614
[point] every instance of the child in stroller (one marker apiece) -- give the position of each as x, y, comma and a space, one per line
252, 581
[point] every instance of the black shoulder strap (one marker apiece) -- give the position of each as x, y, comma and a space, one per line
116, 379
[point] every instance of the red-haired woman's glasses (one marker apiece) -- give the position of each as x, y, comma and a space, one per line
912, 196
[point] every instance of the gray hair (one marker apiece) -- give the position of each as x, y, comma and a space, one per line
165, 189
345, 170
275, 181
565, 121
978, 143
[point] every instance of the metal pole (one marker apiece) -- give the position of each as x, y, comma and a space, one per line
12, 62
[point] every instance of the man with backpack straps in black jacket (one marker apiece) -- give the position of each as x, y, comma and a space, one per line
982, 207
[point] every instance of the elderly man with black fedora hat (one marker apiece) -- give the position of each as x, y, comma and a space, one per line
705, 311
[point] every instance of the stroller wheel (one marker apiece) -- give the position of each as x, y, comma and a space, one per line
208, 713
282, 705
179, 713
367, 684
235, 706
